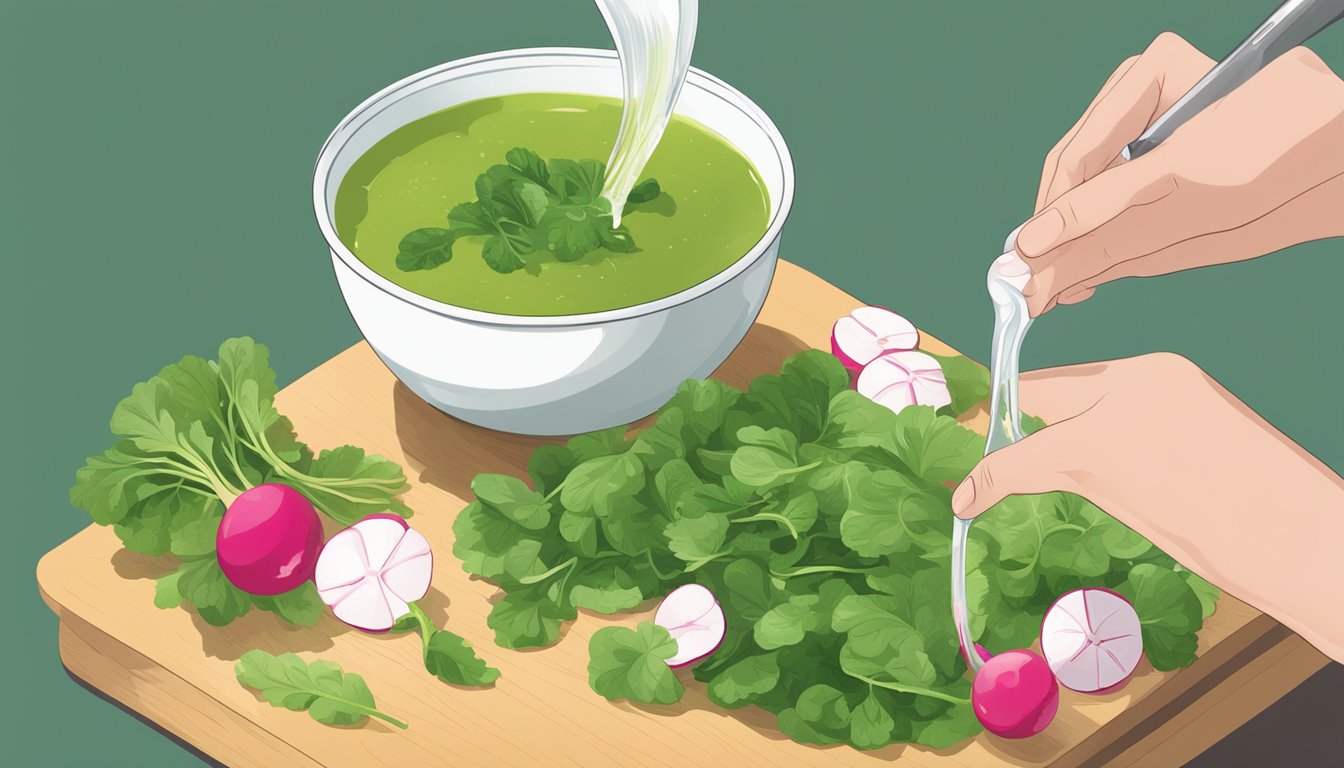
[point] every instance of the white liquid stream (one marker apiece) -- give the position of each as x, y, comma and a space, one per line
1008, 275
653, 39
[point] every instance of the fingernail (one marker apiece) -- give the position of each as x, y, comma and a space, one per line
963, 497
1040, 234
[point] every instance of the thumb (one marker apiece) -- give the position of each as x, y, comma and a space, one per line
1036, 464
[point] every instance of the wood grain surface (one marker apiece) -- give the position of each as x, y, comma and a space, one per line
176, 670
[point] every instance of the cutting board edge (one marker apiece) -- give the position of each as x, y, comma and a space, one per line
82, 645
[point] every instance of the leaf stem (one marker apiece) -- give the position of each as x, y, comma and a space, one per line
663, 576
917, 690
548, 574
556, 489
819, 569
427, 628
761, 516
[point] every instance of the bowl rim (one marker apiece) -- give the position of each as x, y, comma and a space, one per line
697, 78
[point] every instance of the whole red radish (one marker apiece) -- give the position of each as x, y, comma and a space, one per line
1015, 694
268, 540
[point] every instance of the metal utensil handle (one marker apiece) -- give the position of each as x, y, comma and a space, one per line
1295, 22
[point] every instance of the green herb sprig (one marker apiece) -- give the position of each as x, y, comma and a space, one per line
530, 206
192, 439
321, 688
822, 523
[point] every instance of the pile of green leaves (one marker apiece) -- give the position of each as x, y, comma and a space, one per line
822, 523
330, 695
192, 439
529, 206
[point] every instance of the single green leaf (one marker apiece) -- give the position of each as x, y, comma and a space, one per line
300, 606
743, 682
967, 381
601, 483
527, 618
529, 165
204, 585
696, 538
328, 694
936, 448
425, 248
888, 514
788, 622
549, 465
453, 660
1169, 612
166, 592
632, 664
577, 181
605, 586
1207, 593
871, 725
511, 498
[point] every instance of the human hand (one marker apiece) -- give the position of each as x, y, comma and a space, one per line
1260, 170
1165, 449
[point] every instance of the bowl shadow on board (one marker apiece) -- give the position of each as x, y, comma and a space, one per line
433, 442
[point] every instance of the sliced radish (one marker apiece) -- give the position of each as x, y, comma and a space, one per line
1092, 640
268, 540
370, 572
868, 332
899, 379
693, 618
1015, 695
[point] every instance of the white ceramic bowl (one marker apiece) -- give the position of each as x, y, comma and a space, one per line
552, 375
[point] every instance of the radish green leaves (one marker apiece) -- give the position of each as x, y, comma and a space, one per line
191, 440
529, 206
821, 523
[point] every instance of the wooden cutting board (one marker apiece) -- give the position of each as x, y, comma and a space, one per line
177, 671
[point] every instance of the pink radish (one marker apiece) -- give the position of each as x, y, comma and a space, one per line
868, 332
899, 379
268, 540
693, 618
1015, 695
370, 572
1092, 640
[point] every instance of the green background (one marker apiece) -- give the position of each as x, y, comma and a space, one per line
156, 173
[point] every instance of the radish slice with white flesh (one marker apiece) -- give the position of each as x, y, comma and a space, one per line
370, 572
899, 379
693, 618
863, 335
1092, 639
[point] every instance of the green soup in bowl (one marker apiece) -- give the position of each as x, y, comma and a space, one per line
713, 207
552, 347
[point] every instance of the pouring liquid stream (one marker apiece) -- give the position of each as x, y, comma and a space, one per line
1007, 276
653, 39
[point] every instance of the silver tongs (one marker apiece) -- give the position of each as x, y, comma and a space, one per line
1294, 23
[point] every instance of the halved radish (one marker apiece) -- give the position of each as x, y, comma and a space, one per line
693, 618
1092, 640
860, 337
370, 572
1015, 695
898, 379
